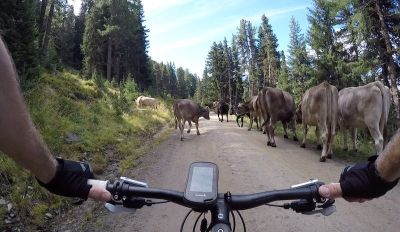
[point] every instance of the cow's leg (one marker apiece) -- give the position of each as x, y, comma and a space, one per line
305, 130
331, 137
251, 122
354, 138
227, 118
345, 143
256, 120
241, 120
271, 128
222, 116
378, 138
190, 126
285, 130
176, 123
181, 127
237, 120
293, 128
197, 128
318, 134
325, 138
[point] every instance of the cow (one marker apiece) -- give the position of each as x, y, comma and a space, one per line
364, 106
276, 105
239, 113
187, 110
251, 107
221, 108
147, 101
319, 107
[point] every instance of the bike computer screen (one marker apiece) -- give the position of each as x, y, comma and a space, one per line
201, 184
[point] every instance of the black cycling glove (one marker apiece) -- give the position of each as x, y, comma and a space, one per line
70, 179
362, 181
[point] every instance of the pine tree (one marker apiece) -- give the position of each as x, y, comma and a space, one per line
298, 61
17, 27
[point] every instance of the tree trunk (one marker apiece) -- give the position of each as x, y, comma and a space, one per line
109, 59
390, 62
41, 22
47, 32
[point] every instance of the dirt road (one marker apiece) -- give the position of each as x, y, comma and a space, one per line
247, 165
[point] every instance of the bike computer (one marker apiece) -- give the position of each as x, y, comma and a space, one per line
201, 185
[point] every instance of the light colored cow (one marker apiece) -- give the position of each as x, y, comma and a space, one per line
148, 101
187, 110
250, 107
319, 108
364, 106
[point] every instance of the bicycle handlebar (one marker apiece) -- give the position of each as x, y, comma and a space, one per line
236, 202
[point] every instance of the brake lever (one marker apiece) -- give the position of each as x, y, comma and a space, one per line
115, 207
326, 209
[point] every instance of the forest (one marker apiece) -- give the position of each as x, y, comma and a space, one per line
81, 73
348, 43
106, 41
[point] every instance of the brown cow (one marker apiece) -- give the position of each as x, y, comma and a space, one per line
187, 110
364, 106
276, 105
319, 108
221, 108
251, 107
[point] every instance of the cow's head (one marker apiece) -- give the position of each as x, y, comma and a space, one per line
242, 109
205, 113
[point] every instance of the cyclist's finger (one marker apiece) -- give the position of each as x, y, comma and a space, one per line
99, 194
330, 191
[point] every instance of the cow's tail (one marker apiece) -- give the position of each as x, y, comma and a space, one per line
332, 105
175, 118
263, 107
385, 108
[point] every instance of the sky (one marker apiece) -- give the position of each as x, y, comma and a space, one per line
182, 31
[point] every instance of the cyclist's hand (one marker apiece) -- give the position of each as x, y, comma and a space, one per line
359, 182
71, 179
334, 190
99, 194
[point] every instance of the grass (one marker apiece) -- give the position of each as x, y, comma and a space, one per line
101, 119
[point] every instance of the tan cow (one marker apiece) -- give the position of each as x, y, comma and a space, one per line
252, 108
364, 106
187, 110
148, 101
276, 105
319, 108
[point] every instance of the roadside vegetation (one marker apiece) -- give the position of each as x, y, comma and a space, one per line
79, 120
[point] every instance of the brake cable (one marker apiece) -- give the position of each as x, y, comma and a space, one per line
184, 220
241, 218
197, 220
234, 221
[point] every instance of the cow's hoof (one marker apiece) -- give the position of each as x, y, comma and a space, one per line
346, 149
319, 147
329, 156
181, 139
242, 126
322, 159
273, 145
355, 150
295, 139
285, 136
249, 129
188, 131
303, 145
264, 132
198, 133
268, 143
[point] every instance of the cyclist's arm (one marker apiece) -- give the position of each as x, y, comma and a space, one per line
18, 137
387, 167
388, 162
